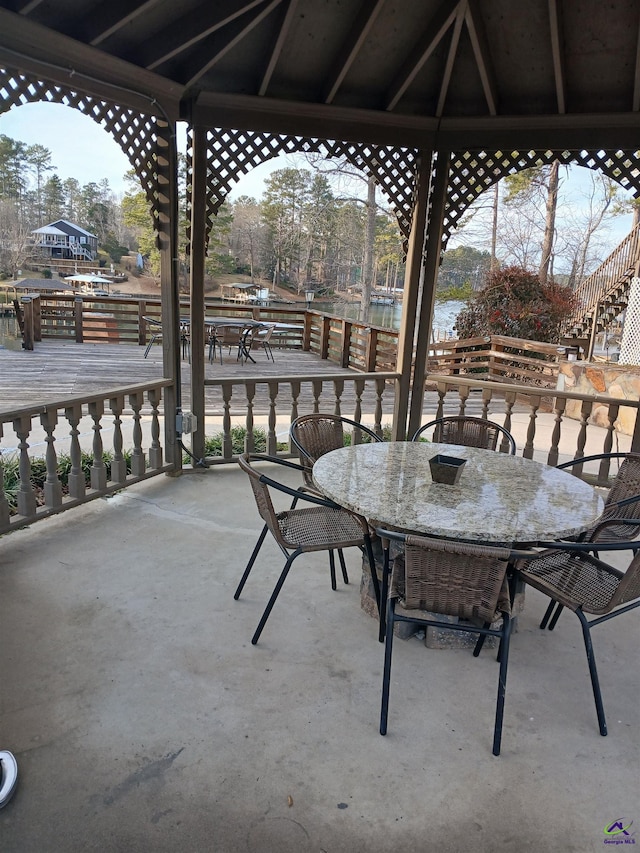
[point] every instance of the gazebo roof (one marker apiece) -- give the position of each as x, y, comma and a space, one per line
449, 74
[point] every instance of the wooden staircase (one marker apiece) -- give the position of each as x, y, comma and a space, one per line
604, 294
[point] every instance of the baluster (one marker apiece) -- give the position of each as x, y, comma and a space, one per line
317, 392
52, 484
155, 451
463, 395
442, 393
295, 393
487, 395
4, 503
377, 414
227, 446
26, 497
137, 454
76, 480
359, 389
531, 429
338, 390
98, 468
249, 439
605, 464
585, 411
552, 458
119, 463
509, 403
272, 444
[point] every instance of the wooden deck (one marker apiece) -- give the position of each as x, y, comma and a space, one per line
59, 370
56, 371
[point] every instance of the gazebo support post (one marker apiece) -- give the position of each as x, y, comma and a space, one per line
410, 296
196, 284
424, 317
167, 237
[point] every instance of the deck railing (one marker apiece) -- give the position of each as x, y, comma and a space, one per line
132, 417
498, 401
45, 434
280, 400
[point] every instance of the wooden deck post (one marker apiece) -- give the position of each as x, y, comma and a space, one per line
411, 291
77, 311
196, 284
424, 318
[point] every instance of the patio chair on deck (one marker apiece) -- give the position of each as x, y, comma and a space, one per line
469, 432
226, 336
323, 526
261, 338
572, 577
449, 579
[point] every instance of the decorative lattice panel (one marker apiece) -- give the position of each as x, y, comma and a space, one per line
473, 172
135, 133
630, 344
233, 153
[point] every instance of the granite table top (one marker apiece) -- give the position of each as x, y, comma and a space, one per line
498, 499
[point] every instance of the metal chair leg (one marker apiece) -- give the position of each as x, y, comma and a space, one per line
593, 672
332, 567
252, 560
556, 616
502, 682
343, 566
386, 676
274, 595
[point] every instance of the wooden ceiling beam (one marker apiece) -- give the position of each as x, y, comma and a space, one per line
33, 49
199, 69
451, 58
636, 80
111, 16
326, 121
278, 45
194, 27
348, 51
480, 45
557, 52
430, 39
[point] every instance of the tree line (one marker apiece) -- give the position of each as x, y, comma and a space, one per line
311, 231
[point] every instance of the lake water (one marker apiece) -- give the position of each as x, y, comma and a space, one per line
389, 316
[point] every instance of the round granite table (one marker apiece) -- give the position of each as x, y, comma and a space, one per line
498, 499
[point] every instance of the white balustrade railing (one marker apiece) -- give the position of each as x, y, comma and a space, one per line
58, 451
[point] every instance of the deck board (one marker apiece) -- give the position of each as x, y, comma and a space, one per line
58, 370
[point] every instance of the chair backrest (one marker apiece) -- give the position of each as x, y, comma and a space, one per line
262, 495
469, 432
229, 335
452, 578
317, 434
626, 485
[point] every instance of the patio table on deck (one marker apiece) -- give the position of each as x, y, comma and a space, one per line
499, 498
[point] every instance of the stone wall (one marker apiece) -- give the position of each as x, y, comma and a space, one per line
594, 378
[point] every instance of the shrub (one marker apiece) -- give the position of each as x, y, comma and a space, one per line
513, 302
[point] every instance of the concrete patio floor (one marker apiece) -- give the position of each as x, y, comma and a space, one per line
143, 719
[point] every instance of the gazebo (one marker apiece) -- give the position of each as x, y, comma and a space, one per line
437, 100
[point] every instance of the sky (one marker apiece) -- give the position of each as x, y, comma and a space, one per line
82, 149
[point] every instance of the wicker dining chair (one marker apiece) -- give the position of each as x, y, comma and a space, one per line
621, 502
469, 432
313, 436
573, 578
322, 526
260, 338
447, 578
317, 434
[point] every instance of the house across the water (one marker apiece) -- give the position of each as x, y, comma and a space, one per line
64, 240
